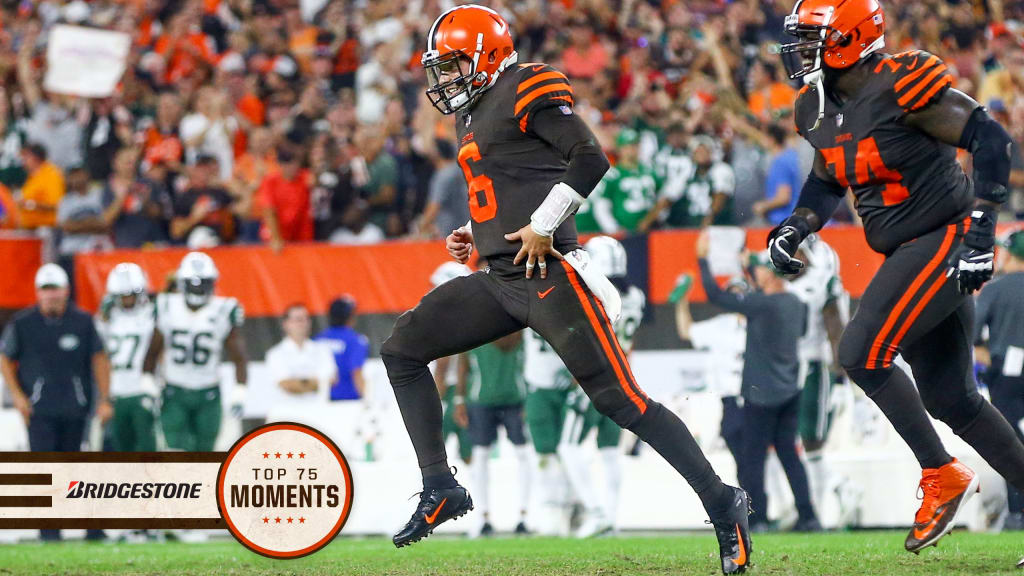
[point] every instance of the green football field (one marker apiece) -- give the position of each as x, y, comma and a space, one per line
859, 553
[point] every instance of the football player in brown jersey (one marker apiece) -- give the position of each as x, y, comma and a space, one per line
529, 162
888, 126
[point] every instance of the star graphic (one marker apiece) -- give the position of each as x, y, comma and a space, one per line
302, 454
266, 520
277, 520
289, 454
290, 520
277, 455
266, 455
302, 520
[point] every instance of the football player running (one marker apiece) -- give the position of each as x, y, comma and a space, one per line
125, 321
529, 162
193, 329
888, 127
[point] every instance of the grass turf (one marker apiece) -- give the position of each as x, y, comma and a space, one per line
859, 553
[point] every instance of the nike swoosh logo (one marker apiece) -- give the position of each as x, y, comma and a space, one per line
535, 68
544, 294
740, 560
433, 516
922, 533
913, 64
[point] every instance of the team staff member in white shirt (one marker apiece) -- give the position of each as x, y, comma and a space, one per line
302, 368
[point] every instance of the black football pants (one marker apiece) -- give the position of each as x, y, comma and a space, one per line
911, 307
472, 310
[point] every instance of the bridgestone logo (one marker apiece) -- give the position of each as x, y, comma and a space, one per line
147, 490
284, 496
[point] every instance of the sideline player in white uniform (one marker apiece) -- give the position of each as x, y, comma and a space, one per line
609, 258
125, 321
446, 374
828, 307
193, 329
724, 338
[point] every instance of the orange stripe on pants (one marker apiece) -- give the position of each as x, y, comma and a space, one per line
917, 309
890, 321
608, 350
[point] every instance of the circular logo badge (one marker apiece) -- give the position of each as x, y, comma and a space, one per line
284, 490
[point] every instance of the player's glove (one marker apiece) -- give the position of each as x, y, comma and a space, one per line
148, 385
237, 400
783, 242
972, 261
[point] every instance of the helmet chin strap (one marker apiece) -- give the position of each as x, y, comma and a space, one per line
818, 76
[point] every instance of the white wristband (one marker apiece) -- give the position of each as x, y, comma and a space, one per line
561, 202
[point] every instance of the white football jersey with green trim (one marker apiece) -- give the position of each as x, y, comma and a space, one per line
126, 335
194, 339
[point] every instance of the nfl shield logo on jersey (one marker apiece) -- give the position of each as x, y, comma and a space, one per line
839, 119
565, 110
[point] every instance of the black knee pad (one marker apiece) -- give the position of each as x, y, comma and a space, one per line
870, 381
854, 347
401, 366
641, 421
955, 410
614, 404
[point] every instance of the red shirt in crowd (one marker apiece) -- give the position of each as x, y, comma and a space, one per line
290, 201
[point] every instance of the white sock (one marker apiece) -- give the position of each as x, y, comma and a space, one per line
481, 479
577, 468
612, 482
525, 477
817, 477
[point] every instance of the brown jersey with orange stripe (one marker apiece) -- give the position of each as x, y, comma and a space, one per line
508, 168
906, 183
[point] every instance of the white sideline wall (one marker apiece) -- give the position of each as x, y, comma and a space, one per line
862, 449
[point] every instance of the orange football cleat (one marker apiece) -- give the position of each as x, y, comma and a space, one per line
944, 491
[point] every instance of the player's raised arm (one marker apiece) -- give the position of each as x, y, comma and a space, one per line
957, 119
819, 198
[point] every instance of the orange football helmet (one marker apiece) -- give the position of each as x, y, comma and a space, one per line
833, 33
468, 47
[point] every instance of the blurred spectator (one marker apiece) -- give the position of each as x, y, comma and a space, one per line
585, 56
284, 195
204, 213
375, 173
785, 177
628, 192
56, 120
161, 141
356, 227
349, 348
769, 97
304, 369
138, 209
12, 131
43, 190
447, 208
109, 128
80, 218
210, 130
704, 198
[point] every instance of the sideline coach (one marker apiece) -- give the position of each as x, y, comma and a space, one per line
51, 355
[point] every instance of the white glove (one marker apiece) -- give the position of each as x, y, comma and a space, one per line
147, 383
238, 400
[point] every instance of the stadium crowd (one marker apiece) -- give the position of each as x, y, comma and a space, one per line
275, 121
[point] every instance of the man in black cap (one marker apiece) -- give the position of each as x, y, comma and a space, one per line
1000, 310
770, 385
50, 357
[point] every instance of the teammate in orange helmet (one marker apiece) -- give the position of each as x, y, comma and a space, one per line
888, 126
529, 162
